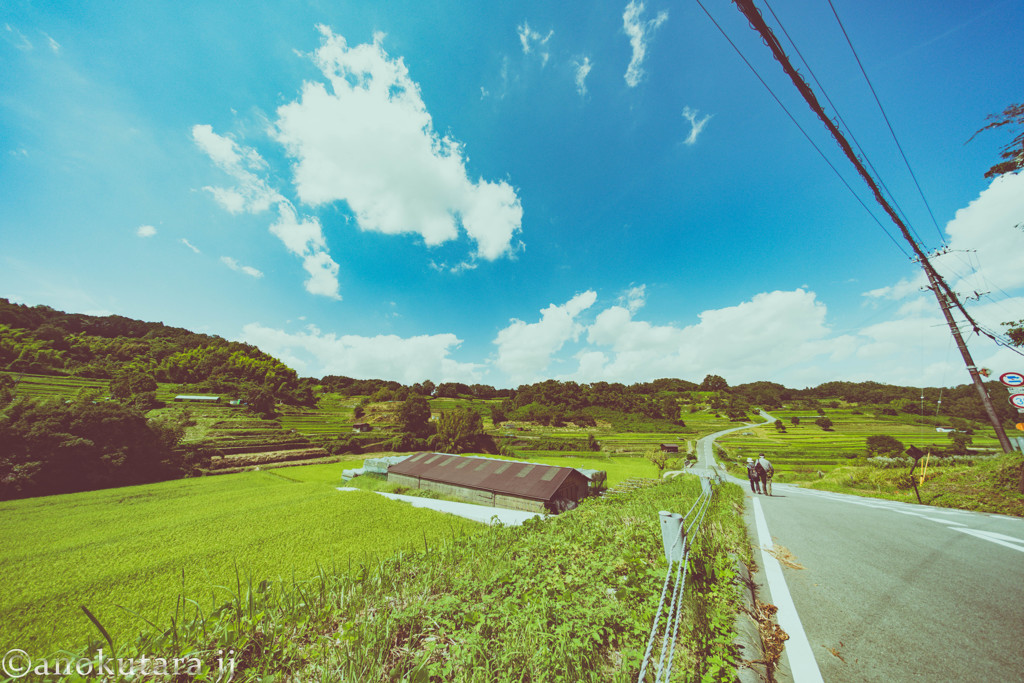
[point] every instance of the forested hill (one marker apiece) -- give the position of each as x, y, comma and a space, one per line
138, 354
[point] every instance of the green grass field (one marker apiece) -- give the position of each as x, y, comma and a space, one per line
804, 450
139, 548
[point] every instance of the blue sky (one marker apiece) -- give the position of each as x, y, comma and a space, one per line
503, 193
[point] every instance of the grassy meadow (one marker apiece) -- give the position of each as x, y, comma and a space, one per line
127, 554
804, 450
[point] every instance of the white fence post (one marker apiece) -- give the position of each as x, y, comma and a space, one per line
672, 535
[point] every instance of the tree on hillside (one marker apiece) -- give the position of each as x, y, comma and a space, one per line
660, 459
498, 415
53, 446
779, 427
414, 416
795, 420
961, 440
883, 444
461, 431
130, 382
669, 408
824, 423
714, 383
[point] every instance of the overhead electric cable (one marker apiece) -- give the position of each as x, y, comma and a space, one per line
849, 42
800, 128
839, 116
943, 293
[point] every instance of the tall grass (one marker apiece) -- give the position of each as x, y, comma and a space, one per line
566, 599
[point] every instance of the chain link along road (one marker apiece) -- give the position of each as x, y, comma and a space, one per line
878, 590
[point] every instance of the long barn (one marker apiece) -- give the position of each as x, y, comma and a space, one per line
499, 483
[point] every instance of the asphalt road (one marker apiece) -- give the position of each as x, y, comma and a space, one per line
876, 590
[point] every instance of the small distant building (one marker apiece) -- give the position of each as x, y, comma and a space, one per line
669, 448
189, 398
944, 430
500, 483
362, 427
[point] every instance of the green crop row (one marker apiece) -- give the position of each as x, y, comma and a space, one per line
128, 553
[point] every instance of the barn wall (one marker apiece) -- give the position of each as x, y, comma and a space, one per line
404, 480
514, 503
572, 489
468, 494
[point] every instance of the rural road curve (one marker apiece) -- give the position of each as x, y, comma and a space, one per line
887, 591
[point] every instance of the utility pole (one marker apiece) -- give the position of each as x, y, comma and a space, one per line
942, 290
986, 400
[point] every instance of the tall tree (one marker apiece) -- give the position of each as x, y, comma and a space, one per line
460, 431
414, 416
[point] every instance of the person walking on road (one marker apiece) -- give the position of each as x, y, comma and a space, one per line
752, 476
765, 472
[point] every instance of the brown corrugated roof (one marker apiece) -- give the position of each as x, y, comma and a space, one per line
527, 480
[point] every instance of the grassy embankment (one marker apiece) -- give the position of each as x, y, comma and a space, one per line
127, 554
569, 598
835, 460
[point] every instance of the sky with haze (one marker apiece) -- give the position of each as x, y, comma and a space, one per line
508, 192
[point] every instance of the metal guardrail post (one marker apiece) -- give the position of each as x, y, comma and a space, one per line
673, 535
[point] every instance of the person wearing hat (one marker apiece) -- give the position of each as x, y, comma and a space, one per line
752, 476
765, 472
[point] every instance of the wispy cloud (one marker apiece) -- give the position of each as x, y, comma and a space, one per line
145, 231
239, 268
253, 194
16, 38
54, 45
190, 245
639, 32
532, 40
696, 126
582, 71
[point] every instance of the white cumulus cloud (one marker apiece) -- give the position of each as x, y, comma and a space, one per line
525, 349
745, 342
639, 32
368, 140
145, 231
402, 359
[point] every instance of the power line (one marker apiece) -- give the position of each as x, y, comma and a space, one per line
884, 116
839, 116
800, 128
938, 285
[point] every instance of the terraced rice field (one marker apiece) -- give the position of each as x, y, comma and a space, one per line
804, 450
47, 386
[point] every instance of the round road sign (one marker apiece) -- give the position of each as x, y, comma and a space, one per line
1020, 426
1012, 379
1017, 400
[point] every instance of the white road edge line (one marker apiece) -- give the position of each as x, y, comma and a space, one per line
1001, 539
802, 663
